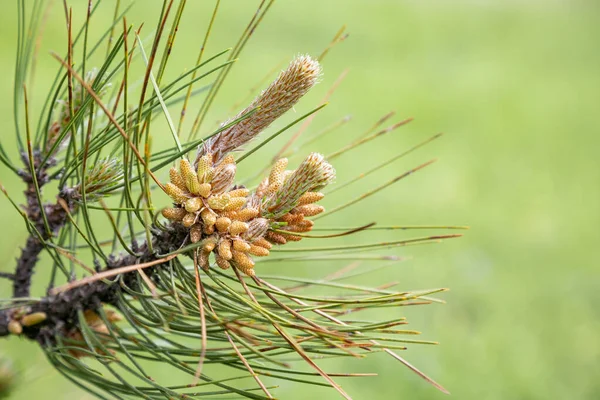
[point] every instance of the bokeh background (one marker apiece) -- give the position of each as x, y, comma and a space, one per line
515, 87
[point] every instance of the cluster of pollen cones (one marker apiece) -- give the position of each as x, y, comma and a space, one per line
235, 224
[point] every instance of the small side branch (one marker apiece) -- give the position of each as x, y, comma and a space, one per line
52, 215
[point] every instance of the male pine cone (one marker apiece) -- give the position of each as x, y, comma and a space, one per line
234, 224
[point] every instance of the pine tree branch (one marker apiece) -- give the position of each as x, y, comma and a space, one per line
61, 309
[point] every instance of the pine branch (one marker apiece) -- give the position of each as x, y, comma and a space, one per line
98, 150
61, 309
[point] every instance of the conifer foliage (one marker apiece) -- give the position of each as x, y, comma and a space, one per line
156, 257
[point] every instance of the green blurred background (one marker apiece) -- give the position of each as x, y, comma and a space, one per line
515, 87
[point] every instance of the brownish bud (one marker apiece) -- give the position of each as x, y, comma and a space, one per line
248, 271
175, 193
188, 220
276, 238
196, 233
203, 260
192, 205
241, 192
204, 189
228, 159
34, 318
241, 245
310, 197
209, 175
218, 202
262, 242
221, 262
15, 328
291, 218
247, 214
235, 204
242, 260
258, 251
276, 175
204, 165
308, 210
186, 170
209, 246
176, 178
223, 224
297, 228
174, 214
306, 223
208, 217
290, 238
238, 227
224, 249
229, 214
192, 184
